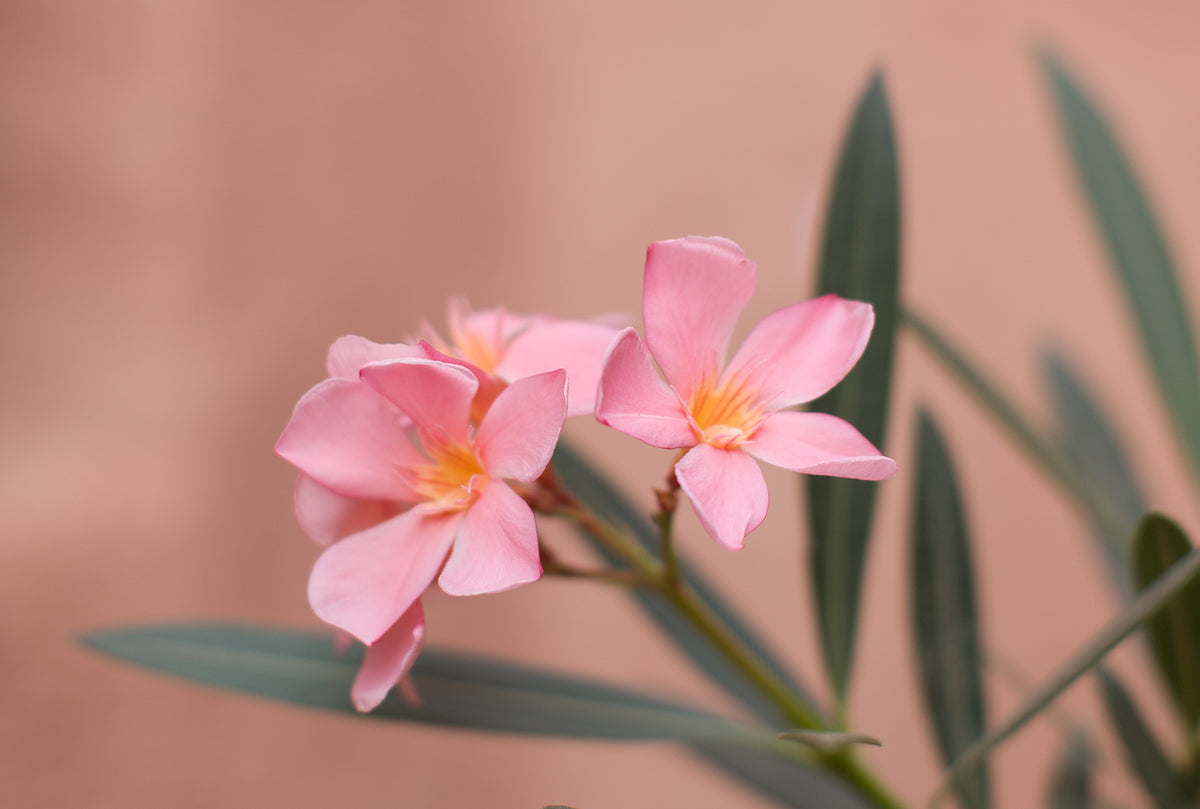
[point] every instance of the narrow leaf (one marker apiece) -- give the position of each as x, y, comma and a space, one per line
1143, 606
1091, 446
829, 741
602, 497
788, 784
1146, 758
1137, 249
1071, 782
944, 611
860, 259
455, 689
1175, 631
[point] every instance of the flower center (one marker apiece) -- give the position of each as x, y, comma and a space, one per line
725, 413
452, 479
478, 350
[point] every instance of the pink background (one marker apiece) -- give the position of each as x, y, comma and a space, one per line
196, 197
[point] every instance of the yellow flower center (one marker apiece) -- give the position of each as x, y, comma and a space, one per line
478, 350
452, 479
725, 413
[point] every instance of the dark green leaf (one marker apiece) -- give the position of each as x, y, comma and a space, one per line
1175, 630
860, 259
1146, 758
944, 611
602, 497
1091, 446
455, 689
782, 780
1137, 250
1071, 783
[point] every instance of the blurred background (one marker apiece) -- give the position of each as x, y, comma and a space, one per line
196, 197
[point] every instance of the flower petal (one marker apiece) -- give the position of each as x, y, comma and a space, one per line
435, 395
578, 347
350, 353
801, 351
349, 439
326, 516
695, 288
727, 490
496, 547
518, 434
364, 583
818, 444
633, 398
489, 386
389, 658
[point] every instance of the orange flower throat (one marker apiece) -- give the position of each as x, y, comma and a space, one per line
726, 413
452, 479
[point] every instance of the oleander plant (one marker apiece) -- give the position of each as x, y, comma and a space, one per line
437, 462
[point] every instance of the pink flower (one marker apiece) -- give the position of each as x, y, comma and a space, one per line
728, 414
389, 659
502, 347
402, 439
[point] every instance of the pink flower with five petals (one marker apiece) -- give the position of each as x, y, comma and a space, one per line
400, 443
727, 414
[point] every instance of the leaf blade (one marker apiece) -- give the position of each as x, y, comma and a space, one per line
1071, 782
945, 613
1146, 758
860, 259
1137, 250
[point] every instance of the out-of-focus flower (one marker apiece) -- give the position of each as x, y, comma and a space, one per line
401, 440
501, 347
728, 414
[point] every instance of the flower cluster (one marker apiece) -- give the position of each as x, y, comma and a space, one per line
406, 452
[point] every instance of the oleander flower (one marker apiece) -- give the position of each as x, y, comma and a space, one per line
501, 347
401, 439
727, 414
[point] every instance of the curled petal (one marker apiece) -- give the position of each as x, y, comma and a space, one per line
326, 516
489, 386
695, 288
633, 398
577, 347
818, 444
388, 659
350, 353
727, 489
349, 439
801, 351
496, 547
435, 395
364, 583
518, 434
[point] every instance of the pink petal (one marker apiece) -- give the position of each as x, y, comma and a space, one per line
727, 490
576, 346
497, 545
364, 583
435, 395
349, 439
388, 659
633, 398
350, 353
695, 289
801, 351
489, 386
495, 326
326, 516
519, 432
819, 444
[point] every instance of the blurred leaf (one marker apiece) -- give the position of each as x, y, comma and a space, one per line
1094, 451
1175, 630
828, 741
1137, 249
860, 260
1071, 783
783, 781
602, 497
1145, 756
944, 611
455, 689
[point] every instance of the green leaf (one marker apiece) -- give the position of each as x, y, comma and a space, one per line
1175, 630
860, 259
456, 690
603, 498
1071, 783
1137, 250
828, 741
782, 780
944, 611
1146, 758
